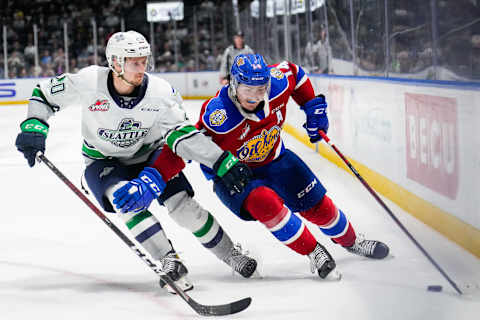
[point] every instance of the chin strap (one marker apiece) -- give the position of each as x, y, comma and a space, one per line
120, 75
126, 81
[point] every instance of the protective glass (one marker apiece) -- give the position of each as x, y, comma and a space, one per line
137, 65
252, 94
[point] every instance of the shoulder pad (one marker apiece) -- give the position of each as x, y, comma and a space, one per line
278, 82
161, 86
221, 117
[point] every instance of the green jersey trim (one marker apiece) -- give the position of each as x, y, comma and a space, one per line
177, 135
92, 153
38, 94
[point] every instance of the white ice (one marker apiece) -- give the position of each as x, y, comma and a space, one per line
59, 261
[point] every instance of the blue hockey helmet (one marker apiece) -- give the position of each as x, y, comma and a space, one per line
250, 69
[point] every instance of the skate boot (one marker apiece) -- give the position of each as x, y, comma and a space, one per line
240, 262
368, 248
176, 270
321, 261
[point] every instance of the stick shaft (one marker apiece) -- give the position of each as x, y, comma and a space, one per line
390, 213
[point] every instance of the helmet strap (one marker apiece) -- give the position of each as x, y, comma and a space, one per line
120, 75
126, 81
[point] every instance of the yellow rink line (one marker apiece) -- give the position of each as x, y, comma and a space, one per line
450, 226
3, 103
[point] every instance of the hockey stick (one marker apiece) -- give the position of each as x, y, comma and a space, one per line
204, 310
380, 201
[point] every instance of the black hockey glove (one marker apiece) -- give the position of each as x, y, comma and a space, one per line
32, 139
234, 174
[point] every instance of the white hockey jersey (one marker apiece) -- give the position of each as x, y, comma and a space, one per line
128, 129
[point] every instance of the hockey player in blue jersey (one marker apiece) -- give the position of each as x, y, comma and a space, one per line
246, 118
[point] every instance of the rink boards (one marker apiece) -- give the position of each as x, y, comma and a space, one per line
413, 141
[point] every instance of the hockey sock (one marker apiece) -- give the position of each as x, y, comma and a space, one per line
188, 213
145, 227
149, 233
332, 222
267, 207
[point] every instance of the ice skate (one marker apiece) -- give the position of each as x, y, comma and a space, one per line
240, 262
322, 262
368, 248
176, 270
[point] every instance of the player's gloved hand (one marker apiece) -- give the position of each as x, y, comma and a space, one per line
138, 194
316, 111
32, 138
234, 174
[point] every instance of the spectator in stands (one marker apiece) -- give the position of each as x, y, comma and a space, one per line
15, 60
29, 52
46, 58
321, 53
229, 55
59, 61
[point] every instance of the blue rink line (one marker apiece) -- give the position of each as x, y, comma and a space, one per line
459, 85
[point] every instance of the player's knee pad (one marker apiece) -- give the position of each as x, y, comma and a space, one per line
176, 185
263, 204
102, 175
186, 211
321, 213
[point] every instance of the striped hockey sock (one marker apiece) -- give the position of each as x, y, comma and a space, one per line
149, 233
267, 207
331, 221
212, 236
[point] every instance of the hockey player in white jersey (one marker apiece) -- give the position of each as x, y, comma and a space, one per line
128, 119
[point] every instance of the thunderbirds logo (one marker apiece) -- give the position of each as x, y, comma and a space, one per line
129, 132
258, 148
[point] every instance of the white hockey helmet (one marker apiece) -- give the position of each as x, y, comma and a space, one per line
130, 44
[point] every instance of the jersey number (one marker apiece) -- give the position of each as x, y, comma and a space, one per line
57, 84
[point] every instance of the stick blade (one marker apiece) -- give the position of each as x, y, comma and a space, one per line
222, 309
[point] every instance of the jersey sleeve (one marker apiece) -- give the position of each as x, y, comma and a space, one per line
183, 137
57, 93
303, 90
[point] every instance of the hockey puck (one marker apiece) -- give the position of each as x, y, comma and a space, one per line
434, 288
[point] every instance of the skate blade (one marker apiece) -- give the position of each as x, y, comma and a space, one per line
256, 275
183, 283
334, 275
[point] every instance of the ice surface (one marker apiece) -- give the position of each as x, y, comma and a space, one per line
58, 260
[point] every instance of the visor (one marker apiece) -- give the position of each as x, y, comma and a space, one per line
252, 93
136, 65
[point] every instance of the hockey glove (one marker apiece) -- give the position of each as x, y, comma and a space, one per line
316, 111
32, 139
234, 174
138, 194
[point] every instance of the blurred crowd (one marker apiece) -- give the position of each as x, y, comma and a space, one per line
405, 47
49, 16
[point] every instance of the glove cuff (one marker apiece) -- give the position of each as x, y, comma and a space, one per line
224, 163
156, 183
34, 125
318, 100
